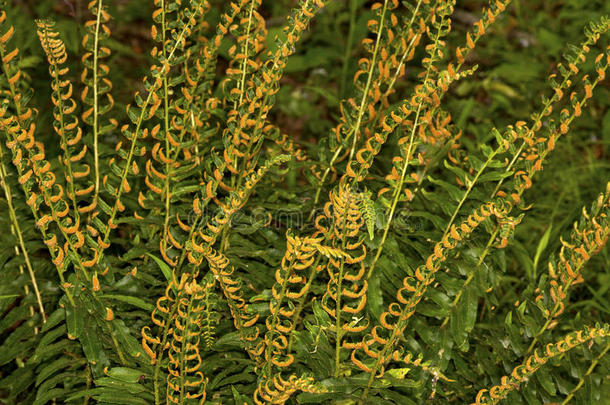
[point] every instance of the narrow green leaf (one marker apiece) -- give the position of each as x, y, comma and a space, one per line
167, 272
135, 301
91, 344
75, 321
125, 374
544, 378
51, 368
544, 241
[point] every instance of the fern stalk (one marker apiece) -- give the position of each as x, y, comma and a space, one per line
368, 82
134, 138
354, 129
558, 94
581, 381
524, 372
16, 230
472, 182
168, 164
338, 329
49, 45
407, 158
519, 194
98, 18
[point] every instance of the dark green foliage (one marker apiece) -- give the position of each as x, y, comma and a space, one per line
366, 202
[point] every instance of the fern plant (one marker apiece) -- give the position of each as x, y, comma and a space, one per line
149, 262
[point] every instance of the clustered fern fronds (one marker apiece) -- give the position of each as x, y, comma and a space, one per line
524, 371
152, 291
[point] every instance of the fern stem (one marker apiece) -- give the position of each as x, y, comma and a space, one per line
403, 58
354, 129
472, 273
386, 94
492, 237
338, 328
60, 106
557, 305
184, 251
368, 82
161, 351
470, 187
301, 304
382, 355
98, 19
261, 115
208, 328
168, 166
525, 371
241, 85
322, 180
18, 110
407, 158
16, 229
89, 381
184, 347
134, 139
274, 321
546, 107
244, 63
116, 344
581, 381
397, 193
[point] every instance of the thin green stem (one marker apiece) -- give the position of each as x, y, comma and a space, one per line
116, 345
274, 320
472, 273
403, 172
184, 347
158, 362
133, 140
168, 165
62, 133
470, 187
369, 80
16, 228
581, 381
339, 281
403, 58
244, 63
301, 304
95, 100
338, 328
545, 111
322, 180
387, 92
